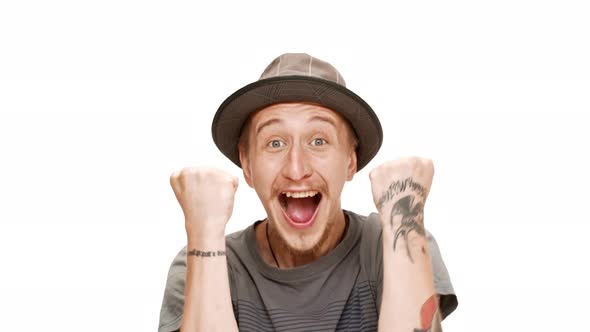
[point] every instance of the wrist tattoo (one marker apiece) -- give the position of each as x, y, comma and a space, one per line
412, 220
400, 186
200, 253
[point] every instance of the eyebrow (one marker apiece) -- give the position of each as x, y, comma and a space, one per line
267, 123
278, 121
323, 119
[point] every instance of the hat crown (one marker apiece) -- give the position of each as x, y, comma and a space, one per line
297, 77
302, 64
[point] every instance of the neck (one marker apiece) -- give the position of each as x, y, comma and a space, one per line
288, 258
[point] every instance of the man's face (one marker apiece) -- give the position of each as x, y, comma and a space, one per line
298, 158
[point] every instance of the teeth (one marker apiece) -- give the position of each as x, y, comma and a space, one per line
300, 194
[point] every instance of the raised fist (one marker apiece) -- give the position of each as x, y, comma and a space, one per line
400, 189
400, 178
206, 196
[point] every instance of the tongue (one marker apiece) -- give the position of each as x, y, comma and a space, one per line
300, 210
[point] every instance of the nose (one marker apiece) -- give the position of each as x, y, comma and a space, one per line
297, 166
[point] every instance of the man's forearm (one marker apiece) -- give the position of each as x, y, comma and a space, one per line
207, 304
409, 302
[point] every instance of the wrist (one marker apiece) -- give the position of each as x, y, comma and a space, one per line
203, 233
205, 243
387, 226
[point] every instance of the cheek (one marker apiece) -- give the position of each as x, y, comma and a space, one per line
334, 171
264, 173
335, 162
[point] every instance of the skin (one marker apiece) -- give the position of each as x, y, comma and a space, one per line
298, 147
302, 147
206, 196
400, 188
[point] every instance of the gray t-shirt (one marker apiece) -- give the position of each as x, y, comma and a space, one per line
338, 292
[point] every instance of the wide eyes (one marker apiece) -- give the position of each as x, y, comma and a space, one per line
318, 142
275, 143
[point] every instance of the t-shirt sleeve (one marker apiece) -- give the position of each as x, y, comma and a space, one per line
173, 303
442, 280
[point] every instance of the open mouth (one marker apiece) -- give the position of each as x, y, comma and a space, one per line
300, 208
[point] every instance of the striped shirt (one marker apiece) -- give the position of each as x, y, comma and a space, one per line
338, 292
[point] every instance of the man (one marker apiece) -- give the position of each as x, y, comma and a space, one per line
299, 134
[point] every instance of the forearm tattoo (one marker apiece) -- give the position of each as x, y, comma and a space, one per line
200, 253
409, 207
430, 316
400, 186
412, 216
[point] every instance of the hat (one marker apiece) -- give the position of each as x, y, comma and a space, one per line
297, 77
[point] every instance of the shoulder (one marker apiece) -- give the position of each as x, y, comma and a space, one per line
370, 226
173, 302
370, 241
238, 238
238, 245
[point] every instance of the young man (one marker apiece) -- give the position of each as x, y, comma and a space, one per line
299, 134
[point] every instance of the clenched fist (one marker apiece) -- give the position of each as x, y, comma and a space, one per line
400, 189
401, 177
206, 196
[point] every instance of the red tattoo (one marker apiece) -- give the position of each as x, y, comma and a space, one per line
429, 308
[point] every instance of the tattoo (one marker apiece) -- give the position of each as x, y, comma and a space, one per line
398, 187
199, 253
430, 316
412, 221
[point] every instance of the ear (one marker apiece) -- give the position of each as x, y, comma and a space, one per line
351, 167
245, 162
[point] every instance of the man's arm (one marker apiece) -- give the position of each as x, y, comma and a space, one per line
207, 305
409, 302
206, 197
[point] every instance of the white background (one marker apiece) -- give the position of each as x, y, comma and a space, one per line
101, 101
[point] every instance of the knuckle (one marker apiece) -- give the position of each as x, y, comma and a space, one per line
174, 177
183, 172
375, 173
372, 174
426, 162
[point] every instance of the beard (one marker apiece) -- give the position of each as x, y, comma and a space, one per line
315, 250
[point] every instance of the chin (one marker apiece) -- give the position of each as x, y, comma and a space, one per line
304, 242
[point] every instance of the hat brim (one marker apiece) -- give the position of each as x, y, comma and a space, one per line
235, 110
